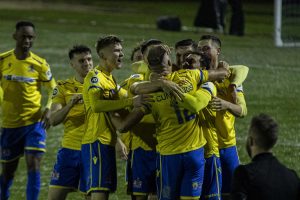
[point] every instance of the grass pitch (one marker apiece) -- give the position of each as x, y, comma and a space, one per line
271, 86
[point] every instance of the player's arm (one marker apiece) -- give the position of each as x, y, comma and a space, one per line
124, 120
1, 95
217, 74
238, 74
98, 104
157, 83
49, 86
121, 149
200, 99
238, 109
59, 111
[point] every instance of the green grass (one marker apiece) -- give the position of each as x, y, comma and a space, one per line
271, 86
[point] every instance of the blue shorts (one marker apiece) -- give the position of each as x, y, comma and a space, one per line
180, 175
141, 172
98, 168
212, 183
14, 141
229, 161
66, 171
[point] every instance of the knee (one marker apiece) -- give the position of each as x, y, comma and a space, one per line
33, 163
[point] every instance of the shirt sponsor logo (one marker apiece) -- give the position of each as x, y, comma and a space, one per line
19, 78
55, 91
94, 80
48, 74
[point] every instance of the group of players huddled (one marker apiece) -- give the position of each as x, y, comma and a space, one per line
172, 122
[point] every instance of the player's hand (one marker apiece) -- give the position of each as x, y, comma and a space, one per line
142, 100
156, 77
46, 118
223, 64
75, 99
121, 150
218, 104
233, 92
169, 87
172, 89
223, 73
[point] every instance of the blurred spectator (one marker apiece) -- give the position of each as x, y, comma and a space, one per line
211, 14
265, 177
237, 24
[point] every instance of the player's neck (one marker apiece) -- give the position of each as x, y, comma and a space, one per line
105, 68
257, 150
79, 78
214, 64
21, 54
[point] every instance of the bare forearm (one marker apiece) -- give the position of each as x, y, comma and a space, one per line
59, 116
234, 109
217, 75
145, 87
126, 123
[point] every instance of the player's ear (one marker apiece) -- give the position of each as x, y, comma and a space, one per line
169, 62
101, 55
218, 51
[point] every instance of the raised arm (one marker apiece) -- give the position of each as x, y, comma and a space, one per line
218, 74
238, 74
200, 99
158, 83
98, 104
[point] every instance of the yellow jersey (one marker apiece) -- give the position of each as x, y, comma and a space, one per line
224, 119
21, 82
74, 121
178, 129
207, 119
100, 85
142, 134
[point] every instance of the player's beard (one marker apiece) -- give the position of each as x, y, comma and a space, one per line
205, 62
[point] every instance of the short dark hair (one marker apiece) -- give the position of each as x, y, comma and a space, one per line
215, 39
137, 48
103, 42
77, 49
148, 43
21, 24
265, 131
186, 42
156, 55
